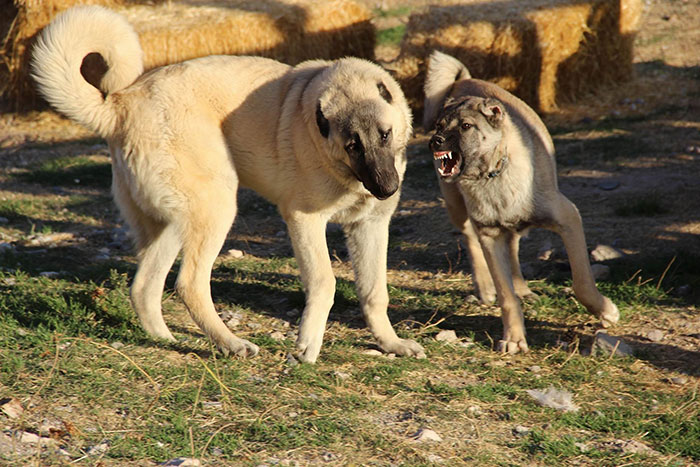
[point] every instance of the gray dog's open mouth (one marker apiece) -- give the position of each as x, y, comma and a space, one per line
449, 163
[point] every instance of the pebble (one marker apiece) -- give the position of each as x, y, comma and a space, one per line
426, 435
604, 253
4, 220
474, 411
446, 335
605, 344
608, 185
233, 253
679, 380
277, 335
116, 345
341, 375
50, 274
372, 352
11, 407
182, 462
291, 360
520, 431
98, 449
535, 368
655, 336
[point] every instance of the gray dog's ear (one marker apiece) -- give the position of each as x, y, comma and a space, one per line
324, 126
493, 111
384, 92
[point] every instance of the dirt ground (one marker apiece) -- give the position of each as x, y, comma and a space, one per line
635, 143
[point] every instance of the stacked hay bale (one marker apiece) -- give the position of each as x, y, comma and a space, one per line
287, 30
545, 51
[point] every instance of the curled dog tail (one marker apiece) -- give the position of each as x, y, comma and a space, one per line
443, 72
87, 43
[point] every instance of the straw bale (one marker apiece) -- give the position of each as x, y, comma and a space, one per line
172, 31
545, 51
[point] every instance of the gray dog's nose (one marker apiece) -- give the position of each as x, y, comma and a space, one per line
436, 141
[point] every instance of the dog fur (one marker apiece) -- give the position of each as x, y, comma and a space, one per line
496, 169
324, 141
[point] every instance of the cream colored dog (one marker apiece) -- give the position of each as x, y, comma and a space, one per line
324, 141
496, 169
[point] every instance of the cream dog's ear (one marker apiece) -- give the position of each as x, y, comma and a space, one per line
443, 72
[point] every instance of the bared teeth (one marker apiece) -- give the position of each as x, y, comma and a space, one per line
442, 155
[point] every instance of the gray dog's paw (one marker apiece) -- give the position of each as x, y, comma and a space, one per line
609, 315
404, 347
239, 347
512, 347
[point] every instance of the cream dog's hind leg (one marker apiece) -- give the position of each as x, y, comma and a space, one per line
367, 242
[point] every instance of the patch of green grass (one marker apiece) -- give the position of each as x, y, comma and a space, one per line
70, 171
401, 10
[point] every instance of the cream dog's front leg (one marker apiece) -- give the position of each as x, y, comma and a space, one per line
367, 242
308, 235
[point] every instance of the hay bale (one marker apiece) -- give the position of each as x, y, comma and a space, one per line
287, 30
546, 52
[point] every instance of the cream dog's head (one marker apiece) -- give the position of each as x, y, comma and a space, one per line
362, 113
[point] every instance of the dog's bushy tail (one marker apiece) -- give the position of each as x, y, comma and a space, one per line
79, 38
443, 71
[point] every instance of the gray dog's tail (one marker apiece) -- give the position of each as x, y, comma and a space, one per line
443, 72
81, 38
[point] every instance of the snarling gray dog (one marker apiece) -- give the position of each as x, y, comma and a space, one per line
495, 163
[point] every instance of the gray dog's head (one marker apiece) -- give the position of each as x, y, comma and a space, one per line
468, 133
365, 114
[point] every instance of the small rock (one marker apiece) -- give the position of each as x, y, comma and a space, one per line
182, 462
583, 447
600, 271
472, 299
212, 405
233, 253
655, 336
520, 431
425, 435
329, 457
555, 398
277, 335
4, 220
679, 380
628, 447
291, 360
446, 335
254, 325
605, 344
341, 375
372, 353
116, 345
11, 407
50, 274
535, 368
98, 449
604, 253
608, 185
474, 411
435, 459
293, 313
233, 323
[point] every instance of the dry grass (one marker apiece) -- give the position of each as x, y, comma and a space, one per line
290, 31
547, 52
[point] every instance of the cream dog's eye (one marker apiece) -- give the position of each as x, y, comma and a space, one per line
466, 126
